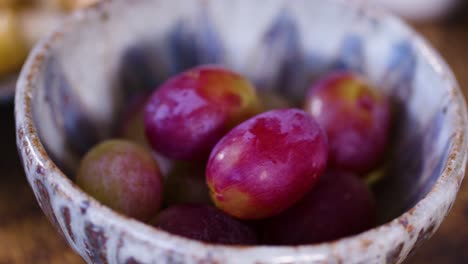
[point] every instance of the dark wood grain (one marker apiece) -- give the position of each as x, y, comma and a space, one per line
27, 237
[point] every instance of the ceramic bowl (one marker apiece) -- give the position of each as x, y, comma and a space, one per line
78, 79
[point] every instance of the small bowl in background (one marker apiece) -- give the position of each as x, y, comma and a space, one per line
76, 82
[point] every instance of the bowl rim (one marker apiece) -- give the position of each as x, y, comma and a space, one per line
35, 151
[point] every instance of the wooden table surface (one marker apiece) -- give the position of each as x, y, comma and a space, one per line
27, 237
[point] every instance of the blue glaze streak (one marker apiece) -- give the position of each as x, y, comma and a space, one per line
350, 56
68, 113
280, 63
431, 137
137, 75
399, 74
192, 44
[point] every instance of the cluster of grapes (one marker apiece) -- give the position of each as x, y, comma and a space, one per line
231, 166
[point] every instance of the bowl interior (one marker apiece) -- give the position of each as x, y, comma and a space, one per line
103, 60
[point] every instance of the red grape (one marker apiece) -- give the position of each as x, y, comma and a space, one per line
266, 164
190, 112
356, 118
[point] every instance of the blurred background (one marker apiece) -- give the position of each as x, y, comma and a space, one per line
25, 234
23, 23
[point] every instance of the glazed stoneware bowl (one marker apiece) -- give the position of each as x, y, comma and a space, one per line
76, 82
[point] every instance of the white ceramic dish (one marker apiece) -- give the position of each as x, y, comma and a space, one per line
77, 79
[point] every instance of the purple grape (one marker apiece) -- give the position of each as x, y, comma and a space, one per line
339, 205
205, 223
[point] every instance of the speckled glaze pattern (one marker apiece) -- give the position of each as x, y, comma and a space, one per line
76, 81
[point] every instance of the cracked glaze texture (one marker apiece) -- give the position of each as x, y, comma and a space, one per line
77, 80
